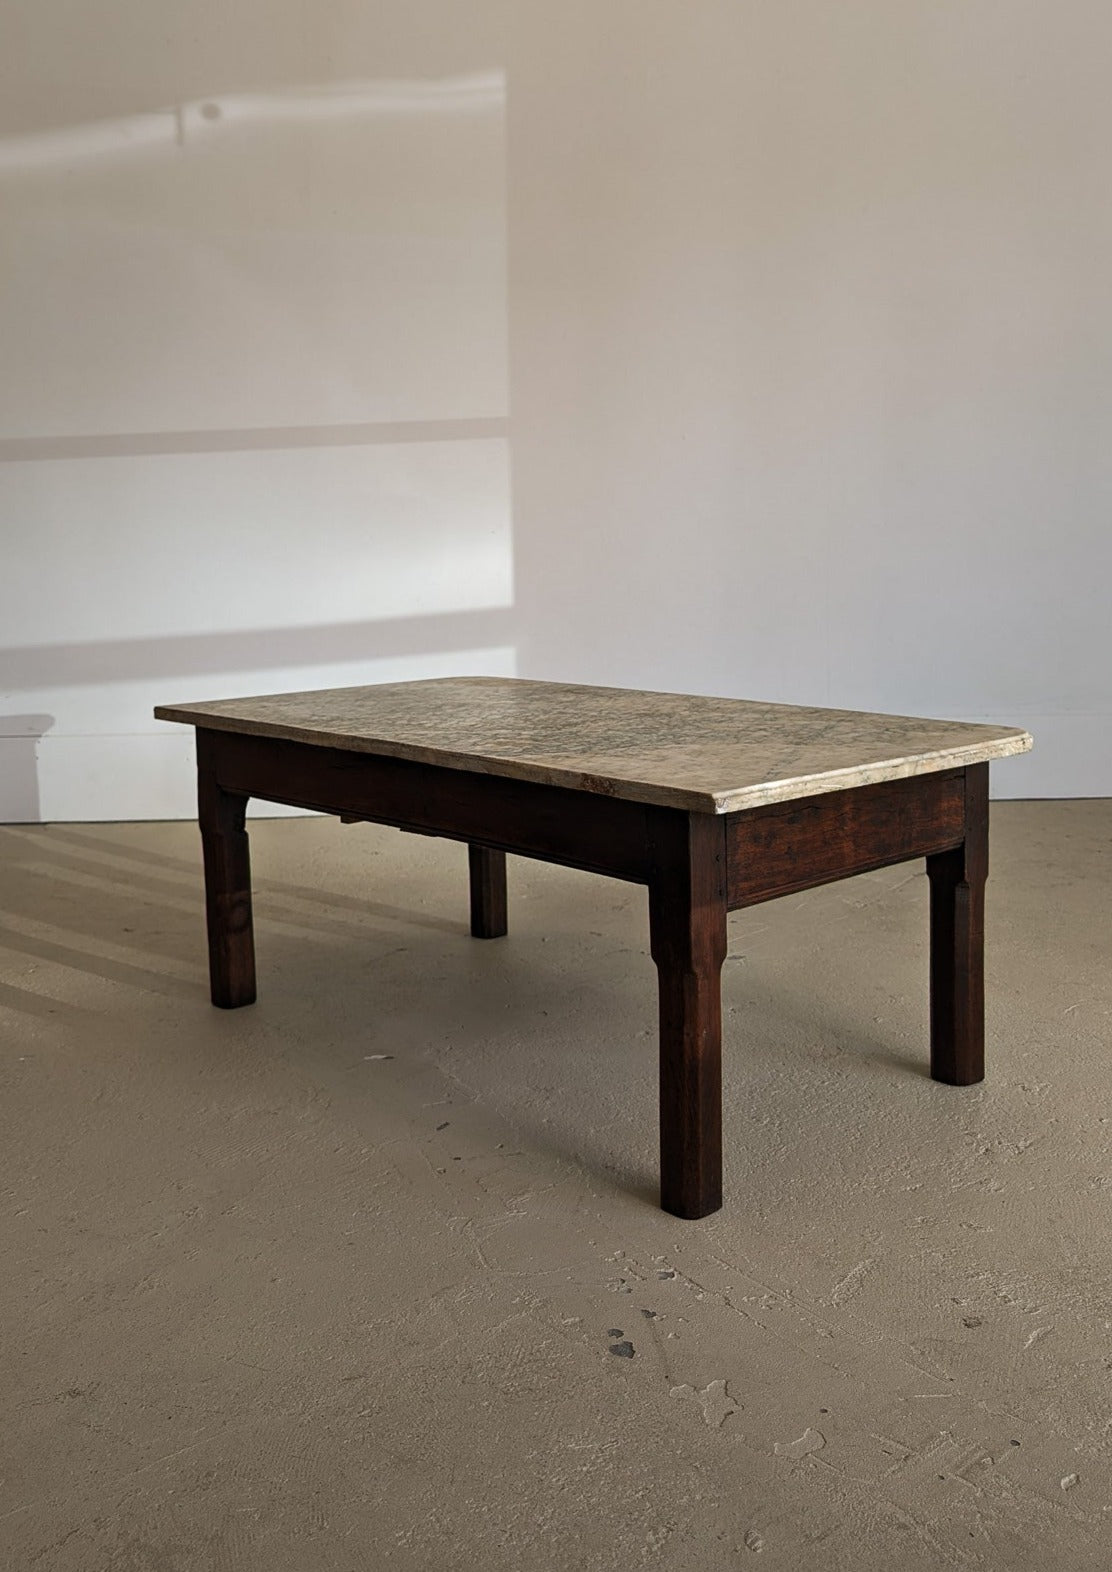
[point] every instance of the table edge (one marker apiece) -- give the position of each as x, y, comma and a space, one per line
719, 802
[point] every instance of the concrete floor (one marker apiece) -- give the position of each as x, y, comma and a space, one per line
371, 1275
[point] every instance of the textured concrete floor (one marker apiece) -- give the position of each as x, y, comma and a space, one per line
371, 1274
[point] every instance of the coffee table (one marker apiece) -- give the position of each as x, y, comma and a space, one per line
713, 804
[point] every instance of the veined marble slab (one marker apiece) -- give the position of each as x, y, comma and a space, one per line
703, 755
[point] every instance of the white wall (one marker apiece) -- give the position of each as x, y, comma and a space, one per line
808, 340
811, 348
255, 392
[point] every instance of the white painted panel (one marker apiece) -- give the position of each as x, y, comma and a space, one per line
810, 346
317, 253
229, 542
254, 394
267, 571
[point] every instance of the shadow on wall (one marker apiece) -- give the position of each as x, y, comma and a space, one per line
162, 444
173, 656
19, 761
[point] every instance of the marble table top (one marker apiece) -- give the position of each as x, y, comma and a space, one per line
703, 755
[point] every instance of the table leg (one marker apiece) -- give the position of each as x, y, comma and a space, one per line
957, 965
687, 923
231, 939
488, 892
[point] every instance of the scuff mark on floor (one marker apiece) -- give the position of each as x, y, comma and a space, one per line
851, 1282
714, 1400
810, 1441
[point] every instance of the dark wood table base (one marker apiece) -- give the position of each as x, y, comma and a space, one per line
697, 866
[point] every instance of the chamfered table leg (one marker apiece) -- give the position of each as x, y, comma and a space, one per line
231, 940
488, 892
957, 927
687, 922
